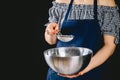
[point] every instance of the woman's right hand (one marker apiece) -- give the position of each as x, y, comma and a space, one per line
52, 28
50, 33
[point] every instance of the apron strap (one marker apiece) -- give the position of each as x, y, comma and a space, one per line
70, 5
95, 9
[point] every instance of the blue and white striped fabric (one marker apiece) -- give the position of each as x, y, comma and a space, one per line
108, 16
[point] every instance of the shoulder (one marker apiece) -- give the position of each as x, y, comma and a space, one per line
100, 2
62, 1
110, 3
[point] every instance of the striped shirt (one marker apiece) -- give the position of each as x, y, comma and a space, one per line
108, 16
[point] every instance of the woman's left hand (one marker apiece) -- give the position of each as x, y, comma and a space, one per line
71, 76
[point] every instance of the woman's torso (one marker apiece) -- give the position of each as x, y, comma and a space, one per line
108, 15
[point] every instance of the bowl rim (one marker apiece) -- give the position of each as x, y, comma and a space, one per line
91, 52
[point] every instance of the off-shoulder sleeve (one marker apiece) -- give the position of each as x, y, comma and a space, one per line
53, 15
111, 22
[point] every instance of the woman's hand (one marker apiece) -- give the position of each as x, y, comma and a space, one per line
52, 28
72, 76
50, 33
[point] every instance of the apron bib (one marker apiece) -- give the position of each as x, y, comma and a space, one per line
87, 32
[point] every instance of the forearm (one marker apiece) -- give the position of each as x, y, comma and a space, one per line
101, 56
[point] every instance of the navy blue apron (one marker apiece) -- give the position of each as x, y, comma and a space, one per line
87, 34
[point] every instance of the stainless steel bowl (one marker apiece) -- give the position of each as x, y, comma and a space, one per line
68, 60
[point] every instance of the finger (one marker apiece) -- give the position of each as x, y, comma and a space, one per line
73, 76
56, 29
81, 73
69, 76
63, 75
50, 29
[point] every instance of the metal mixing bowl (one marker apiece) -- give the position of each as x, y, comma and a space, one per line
68, 60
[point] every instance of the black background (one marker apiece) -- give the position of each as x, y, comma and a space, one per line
24, 41
39, 45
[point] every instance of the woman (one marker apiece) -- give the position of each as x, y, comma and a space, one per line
109, 22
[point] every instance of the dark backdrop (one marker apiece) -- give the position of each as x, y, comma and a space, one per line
38, 16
